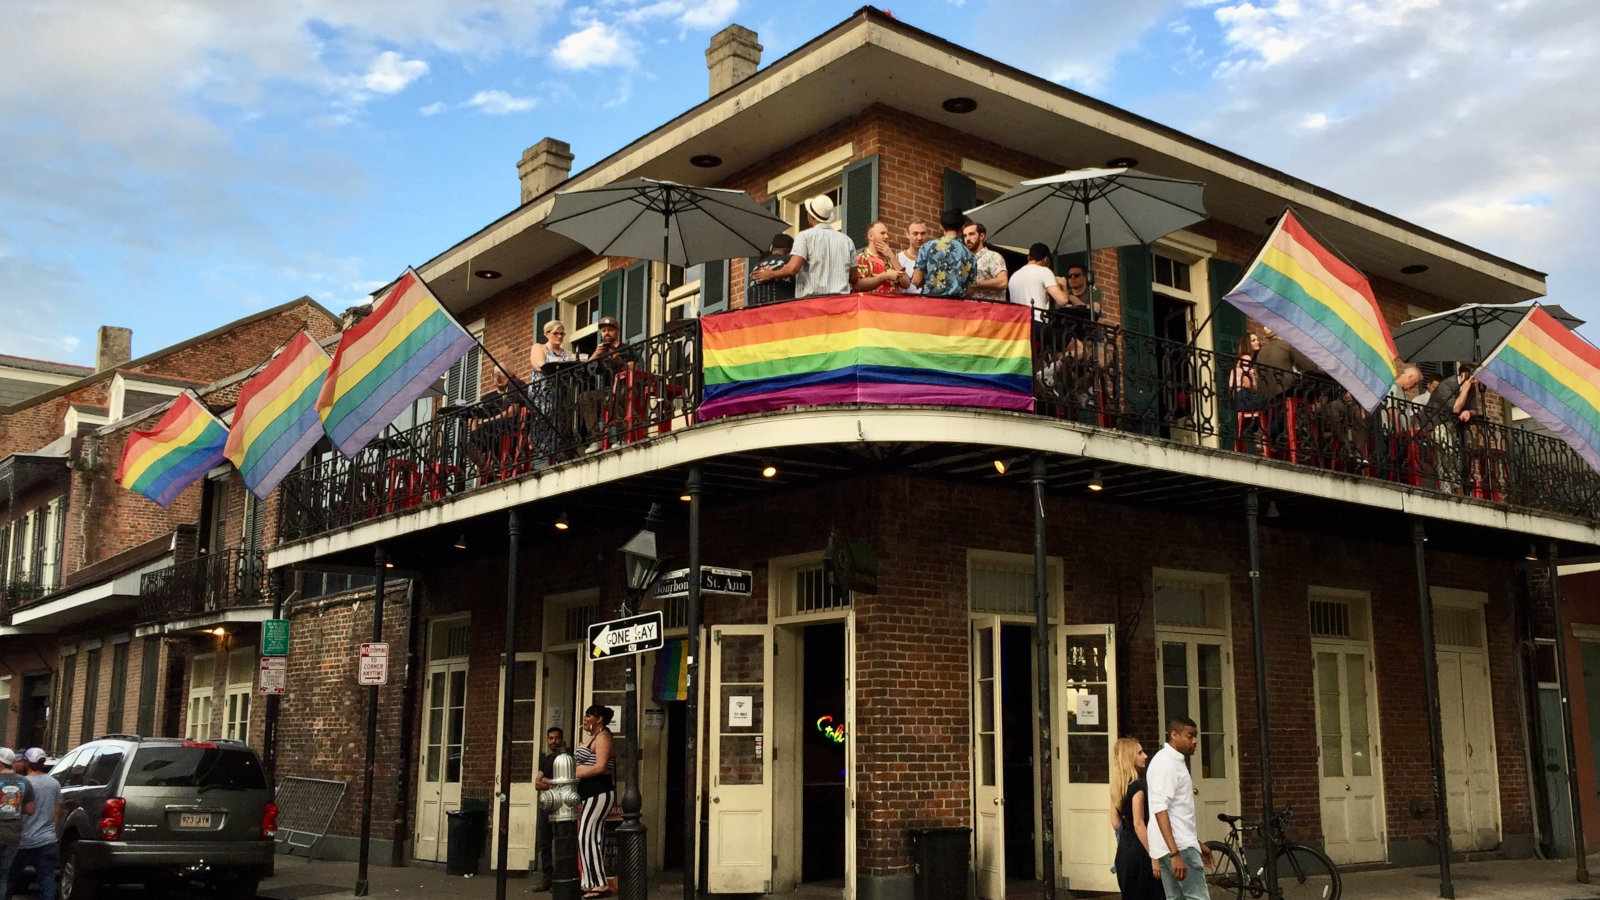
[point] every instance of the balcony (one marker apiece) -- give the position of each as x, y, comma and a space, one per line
15, 594
1094, 375
208, 584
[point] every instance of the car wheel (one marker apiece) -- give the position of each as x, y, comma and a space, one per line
76, 884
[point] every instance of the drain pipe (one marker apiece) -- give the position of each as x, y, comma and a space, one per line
408, 709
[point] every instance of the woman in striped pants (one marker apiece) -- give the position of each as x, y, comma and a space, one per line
597, 788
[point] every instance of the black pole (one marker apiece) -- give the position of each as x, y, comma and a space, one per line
1263, 735
380, 563
507, 702
1580, 849
1041, 665
1430, 686
691, 711
1088, 265
632, 852
269, 732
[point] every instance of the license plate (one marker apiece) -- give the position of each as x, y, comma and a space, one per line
194, 820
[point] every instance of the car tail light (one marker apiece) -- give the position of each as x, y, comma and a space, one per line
111, 820
269, 821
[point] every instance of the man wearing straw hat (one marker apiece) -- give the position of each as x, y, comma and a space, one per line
823, 259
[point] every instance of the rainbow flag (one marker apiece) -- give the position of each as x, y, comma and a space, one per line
160, 462
1323, 307
672, 672
867, 348
387, 361
275, 422
1554, 375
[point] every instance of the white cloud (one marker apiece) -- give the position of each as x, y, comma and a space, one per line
391, 73
500, 103
597, 46
1314, 121
709, 13
433, 109
1076, 44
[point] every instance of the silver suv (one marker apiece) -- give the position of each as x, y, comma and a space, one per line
159, 810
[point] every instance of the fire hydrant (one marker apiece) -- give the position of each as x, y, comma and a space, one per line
561, 803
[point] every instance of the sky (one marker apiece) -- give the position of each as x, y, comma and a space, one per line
171, 167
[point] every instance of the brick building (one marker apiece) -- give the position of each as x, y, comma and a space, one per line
1145, 479
118, 616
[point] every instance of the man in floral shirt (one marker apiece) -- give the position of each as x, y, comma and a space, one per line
945, 267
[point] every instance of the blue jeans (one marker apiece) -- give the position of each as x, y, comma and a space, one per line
43, 859
7, 855
1192, 887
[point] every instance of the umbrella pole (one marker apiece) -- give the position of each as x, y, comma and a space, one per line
1088, 265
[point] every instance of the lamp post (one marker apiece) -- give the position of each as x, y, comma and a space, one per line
641, 565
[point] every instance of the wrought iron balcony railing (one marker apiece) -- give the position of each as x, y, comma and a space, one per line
17, 594
214, 582
1097, 375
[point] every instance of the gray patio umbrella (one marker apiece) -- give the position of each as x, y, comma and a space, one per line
1466, 333
675, 223
1091, 209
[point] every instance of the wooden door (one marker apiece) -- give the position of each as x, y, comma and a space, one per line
1352, 806
739, 851
444, 705
527, 742
1086, 675
988, 774
1196, 673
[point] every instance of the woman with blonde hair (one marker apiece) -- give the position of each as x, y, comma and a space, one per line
1136, 873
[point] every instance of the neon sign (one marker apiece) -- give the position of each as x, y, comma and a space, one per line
831, 731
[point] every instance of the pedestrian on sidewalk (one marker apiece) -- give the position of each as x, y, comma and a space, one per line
1174, 841
1138, 876
37, 846
16, 804
597, 788
555, 743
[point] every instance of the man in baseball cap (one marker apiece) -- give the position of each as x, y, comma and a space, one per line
16, 804
38, 846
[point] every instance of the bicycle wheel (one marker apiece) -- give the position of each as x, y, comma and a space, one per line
1305, 874
1225, 875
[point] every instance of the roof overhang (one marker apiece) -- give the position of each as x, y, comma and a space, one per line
88, 602
870, 59
21, 472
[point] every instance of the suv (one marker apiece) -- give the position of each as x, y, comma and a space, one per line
161, 809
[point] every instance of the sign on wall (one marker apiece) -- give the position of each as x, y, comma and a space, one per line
373, 668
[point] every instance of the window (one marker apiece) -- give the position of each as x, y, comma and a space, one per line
1171, 273
49, 541
1191, 602
236, 703
1002, 583
168, 765
702, 288
119, 687
461, 382
322, 584
23, 555
202, 671
103, 770
586, 310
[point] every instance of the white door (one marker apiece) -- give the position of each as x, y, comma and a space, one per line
1352, 806
1467, 720
1197, 681
444, 710
739, 854
988, 782
527, 742
1086, 669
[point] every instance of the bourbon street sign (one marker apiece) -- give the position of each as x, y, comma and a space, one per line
713, 580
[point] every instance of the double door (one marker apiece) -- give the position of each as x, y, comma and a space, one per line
444, 710
1351, 778
1196, 680
1471, 778
527, 743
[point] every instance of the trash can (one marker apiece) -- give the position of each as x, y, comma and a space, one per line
467, 828
939, 862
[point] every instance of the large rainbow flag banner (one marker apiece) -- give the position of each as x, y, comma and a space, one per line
185, 444
387, 361
867, 348
275, 422
1323, 307
1554, 375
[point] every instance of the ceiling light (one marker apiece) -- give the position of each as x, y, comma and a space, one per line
1000, 466
769, 471
487, 274
1122, 162
705, 160
461, 542
1533, 554
1413, 269
1095, 483
959, 105
561, 522
219, 631
685, 497
387, 564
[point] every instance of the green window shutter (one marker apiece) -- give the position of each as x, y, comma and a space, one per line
542, 315
149, 671
611, 294
636, 303
714, 287
119, 687
859, 197
91, 694
1227, 326
1140, 367
63, 711
960, 192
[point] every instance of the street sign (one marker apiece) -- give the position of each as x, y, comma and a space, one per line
620, 637
275, 637
713, 580
374, 665
274, 678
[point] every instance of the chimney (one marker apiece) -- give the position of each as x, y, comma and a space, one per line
543, 166
113, 347
733, 56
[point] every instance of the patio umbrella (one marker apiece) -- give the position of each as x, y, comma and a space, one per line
675, 223
1091, 209
1466, 333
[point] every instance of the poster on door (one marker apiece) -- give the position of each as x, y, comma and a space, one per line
741, 711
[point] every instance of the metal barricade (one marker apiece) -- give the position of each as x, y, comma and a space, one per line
305, 810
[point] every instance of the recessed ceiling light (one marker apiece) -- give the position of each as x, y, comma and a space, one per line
1122, 162
562, 523
1000, 466
705, 160
1413, 269
1097, 483
487, 274
959, 105
769, 471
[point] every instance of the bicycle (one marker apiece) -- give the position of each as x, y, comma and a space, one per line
1303, 871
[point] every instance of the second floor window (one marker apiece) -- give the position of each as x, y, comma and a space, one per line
32, 548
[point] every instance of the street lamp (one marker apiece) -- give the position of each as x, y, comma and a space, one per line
642, 566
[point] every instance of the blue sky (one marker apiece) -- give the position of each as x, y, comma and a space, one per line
172, 172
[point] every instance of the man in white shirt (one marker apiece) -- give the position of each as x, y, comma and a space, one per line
823, 260
916, 236
1035, 284
1174, 842
990, 282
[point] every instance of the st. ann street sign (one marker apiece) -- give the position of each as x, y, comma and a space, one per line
713, 580
620, 637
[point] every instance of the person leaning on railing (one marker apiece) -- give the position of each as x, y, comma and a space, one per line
1454, 406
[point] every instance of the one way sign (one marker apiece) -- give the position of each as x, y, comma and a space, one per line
620, 637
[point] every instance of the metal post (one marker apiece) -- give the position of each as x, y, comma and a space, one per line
691, 712
1041, 664
1263, 730
507, 701
380, 563
269, 732
1430, 687
1580, 849
633, 883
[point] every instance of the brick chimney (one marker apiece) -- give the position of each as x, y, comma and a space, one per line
113, 347
543, 166
733, 56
